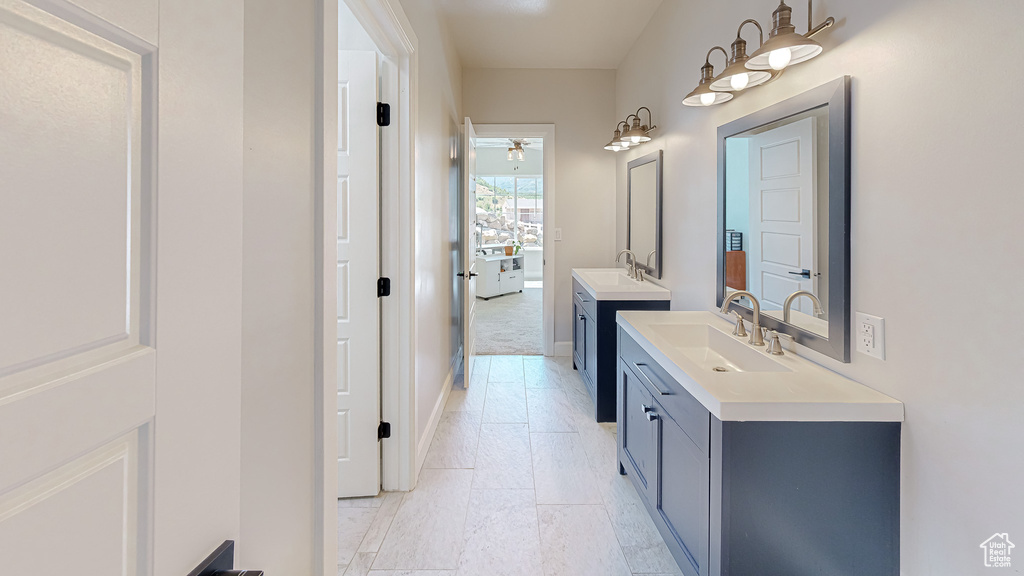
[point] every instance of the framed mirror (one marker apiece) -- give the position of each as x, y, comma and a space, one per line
784, 216
643, 212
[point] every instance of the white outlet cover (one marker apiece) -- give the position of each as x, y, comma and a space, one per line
869, 333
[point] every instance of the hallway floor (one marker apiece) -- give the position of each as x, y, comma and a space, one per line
519, 480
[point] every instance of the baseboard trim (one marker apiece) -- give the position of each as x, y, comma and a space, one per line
563, 348
435, 418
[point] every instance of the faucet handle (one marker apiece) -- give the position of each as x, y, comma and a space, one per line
740, 329
774, 346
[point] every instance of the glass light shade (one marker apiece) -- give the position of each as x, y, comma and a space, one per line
737, 77
520, 154
773, 52
613, 146
704, 96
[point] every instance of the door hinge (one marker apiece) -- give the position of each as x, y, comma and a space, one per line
383, 287
384, 430
383, 114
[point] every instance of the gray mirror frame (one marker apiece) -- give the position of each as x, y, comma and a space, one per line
655, 271
836, 95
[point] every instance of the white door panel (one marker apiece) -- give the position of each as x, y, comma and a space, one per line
469, 254
77, 374
358, 308
782, 209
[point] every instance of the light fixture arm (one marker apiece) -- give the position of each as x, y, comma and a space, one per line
811, 28
707, 59
760, 32
650, 120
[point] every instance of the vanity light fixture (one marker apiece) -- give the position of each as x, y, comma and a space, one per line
736, 76
785, 46
638, 133
703, 95
616, 143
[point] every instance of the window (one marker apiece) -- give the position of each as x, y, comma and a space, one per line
510, 209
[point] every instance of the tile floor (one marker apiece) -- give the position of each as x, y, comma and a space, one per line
519, 480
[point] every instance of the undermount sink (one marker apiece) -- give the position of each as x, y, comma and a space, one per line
615, 284
716, 351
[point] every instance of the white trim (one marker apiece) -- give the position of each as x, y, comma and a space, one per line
563, 348
547, 132
389, 28
435, 418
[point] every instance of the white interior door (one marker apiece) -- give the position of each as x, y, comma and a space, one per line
782, 209
358, 270
469, 253
77, 366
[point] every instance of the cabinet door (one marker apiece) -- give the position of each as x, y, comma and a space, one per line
683, 483
579, 336
636, 432
591, 349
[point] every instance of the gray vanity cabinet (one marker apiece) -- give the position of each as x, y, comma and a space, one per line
593, 344
665, 452
772, 498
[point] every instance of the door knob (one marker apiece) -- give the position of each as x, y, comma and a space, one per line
805, 273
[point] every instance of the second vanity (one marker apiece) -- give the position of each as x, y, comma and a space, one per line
598, 293
750, 463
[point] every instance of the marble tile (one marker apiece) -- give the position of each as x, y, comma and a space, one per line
342, 568
505, 403
579, 541
411, 573
599, 442
652, 558
503, 457
366, 502
352, 526
501, 537
642, 545
454, 442
381, 522
579, 401
471, 399
360, 565
541, 372
561, 472
506, 369
426, 533
549, 411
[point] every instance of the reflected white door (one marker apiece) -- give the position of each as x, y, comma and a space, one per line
471, 240
358, 312
782, 207
77, 366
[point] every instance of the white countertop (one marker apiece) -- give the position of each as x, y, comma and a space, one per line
801, 391
614, 284
493, 257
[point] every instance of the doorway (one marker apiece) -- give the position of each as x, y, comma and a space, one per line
510, 222
514, 230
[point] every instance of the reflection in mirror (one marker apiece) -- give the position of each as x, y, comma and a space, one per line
776, 217
643, 232
784, 216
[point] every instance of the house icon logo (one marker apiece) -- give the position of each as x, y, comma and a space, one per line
997, 550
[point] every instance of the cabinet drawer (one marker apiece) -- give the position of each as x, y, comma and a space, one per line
511, 280
585, 300
689, 414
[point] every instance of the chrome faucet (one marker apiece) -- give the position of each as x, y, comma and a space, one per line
756, 336
651, 255
630, 262
789, 303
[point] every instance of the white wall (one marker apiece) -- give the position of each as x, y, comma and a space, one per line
439, 103
199, 249
581, 105
935, 234
277, 304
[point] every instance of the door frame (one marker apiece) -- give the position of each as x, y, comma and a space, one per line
389, 28
547, 133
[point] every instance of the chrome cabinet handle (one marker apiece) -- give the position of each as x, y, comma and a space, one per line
652, 416
580, 294
581, 316
650, 381
646, 409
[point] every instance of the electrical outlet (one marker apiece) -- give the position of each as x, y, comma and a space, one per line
558, 234
870, 334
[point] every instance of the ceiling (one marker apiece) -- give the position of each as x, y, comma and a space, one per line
546, 33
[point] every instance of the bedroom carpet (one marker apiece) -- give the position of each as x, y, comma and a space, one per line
511, 324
